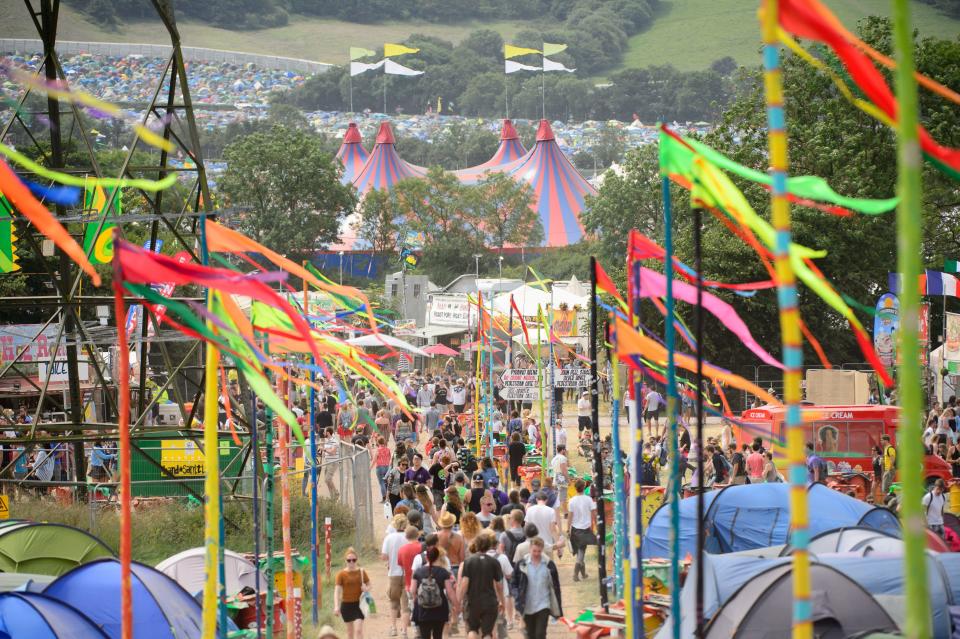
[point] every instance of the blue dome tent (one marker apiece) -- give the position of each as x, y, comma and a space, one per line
28, 615
757, 516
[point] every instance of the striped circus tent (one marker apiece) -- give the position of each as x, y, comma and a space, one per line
351, 154
510, 150
559, 189
385, 167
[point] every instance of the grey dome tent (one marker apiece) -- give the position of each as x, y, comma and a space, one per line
762, 608
856, 539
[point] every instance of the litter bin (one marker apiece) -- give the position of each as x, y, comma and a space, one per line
280, 598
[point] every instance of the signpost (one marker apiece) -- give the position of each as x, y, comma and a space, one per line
527, 378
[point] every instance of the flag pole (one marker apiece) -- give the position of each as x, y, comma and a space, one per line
385, 89
350, 76
597, 488
543, 89
669, 338
619, 519
698, 266
255, 447
909, 214
543, 452
315, 589
789, 320
636, 522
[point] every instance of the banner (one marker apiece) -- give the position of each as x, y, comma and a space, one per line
15, 338
951, 348
885, 325
449, 310
95, 199
565, 323
923, 333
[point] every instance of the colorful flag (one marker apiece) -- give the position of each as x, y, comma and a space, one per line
512, 67
550, 65
951, 266
356, 68
553, 49
390, 50
8, 238
393, 68
930, 283
359, 52
95, 199
510, 51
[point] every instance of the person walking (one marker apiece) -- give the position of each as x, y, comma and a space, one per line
381, 460
399, 606
545, 519
351, 583
889, 464
395, 480
537, 584
934, 503
584, 412
516, 450
583, 523
481, 590
434, 595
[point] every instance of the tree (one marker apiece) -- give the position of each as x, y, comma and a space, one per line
379, 221
500, 207
292, 186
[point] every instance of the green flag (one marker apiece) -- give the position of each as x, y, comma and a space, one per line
951, 266
8, 248
551, 49
359, 52
95, 199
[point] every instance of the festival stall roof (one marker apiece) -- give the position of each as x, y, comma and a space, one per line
558, 188
528, 298
351, 154
188, 569
28, 614
47, 549
758, 515
385, 167
161, 608
387, 341
882, 577
762, 608
510, 150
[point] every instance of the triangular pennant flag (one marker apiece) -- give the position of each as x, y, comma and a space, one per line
393, 68
8, 238
512, 67
359, 52
550, 65
356, 68
390, 50
552, 49
95, 199
510, 51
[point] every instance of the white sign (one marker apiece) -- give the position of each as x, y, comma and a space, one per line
449, 310
562, 377
520, 393
520, 377
572, 378
60, 372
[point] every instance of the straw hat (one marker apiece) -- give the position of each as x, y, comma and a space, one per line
447, 520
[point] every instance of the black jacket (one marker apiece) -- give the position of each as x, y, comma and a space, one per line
520, 582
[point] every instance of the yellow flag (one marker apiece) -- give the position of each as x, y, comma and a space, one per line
359, 52
510, 51
390, 50
551, 49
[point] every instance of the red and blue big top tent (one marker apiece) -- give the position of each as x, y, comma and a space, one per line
384, 168
510, 150
351, 154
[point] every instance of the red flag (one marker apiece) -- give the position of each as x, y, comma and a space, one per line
605, 284
523, 323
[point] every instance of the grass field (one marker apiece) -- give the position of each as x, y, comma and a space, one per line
308, 38
690, 34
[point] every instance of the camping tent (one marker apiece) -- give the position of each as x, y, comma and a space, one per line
762, 607
558, 188
351, 154
188, 569
161, 608
757, 516
385, 167
47, 549
510, 150
856, 539
28, 614
882, 577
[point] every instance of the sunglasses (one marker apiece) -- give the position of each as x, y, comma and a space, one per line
352, 561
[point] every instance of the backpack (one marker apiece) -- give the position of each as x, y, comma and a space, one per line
648, 474
727, 466
429, 594
663, 455
510, 544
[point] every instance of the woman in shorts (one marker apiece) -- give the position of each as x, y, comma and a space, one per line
351, 583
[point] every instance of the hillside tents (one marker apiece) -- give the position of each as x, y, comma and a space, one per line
384, 167
762, 607
510, 150
351, 154
161, 608
47, 549
188, 569
28, 614
756, 516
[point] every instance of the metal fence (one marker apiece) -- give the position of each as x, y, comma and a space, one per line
198, 54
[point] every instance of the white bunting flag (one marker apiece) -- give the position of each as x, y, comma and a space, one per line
550, 65
512, 67
356, 68
393, 68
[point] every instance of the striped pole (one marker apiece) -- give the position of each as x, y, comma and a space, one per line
543, 452
909, 218
636, 522
789, 322
669, 339
620, 497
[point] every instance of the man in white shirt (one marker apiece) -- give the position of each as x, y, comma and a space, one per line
560, 435
559, 469
651, 413
458, 396
399, 606
545, 519
584, 410
583, 522
933, 504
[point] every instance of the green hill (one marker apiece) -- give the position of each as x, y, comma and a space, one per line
690, 34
